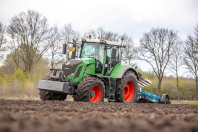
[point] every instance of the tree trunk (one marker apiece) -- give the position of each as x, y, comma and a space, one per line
178, 87
52, 64
159, 88
196, 87
29, 69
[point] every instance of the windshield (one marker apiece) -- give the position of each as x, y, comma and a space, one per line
94, 50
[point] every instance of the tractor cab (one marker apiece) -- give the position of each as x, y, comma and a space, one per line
106, 54
96, 51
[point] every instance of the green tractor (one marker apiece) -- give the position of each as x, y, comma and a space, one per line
97, 74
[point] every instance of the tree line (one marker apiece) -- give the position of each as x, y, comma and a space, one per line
28, 38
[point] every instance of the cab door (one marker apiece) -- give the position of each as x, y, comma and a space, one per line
110, 62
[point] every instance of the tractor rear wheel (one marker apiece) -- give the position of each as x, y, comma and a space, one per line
127, 88
90, 89
48, 95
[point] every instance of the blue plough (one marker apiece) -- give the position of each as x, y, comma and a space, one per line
150, 96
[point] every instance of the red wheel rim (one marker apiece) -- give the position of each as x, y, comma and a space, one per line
129, 91
57, 95
97, 96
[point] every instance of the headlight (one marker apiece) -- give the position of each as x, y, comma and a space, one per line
71, 75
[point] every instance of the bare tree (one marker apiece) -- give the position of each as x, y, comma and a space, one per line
13, 47
2, 39
155, 50
190, 59
29, 32
195, 40
16, 56
54, 41
112, 36
100, 33
196, 36
130, 51
176, 61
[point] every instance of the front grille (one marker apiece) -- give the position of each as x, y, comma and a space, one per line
78, 72
70, 66
68, 71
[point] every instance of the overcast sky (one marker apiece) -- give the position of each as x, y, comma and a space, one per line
133, 17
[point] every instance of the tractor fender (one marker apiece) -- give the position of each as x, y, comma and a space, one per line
97, 77
126, 68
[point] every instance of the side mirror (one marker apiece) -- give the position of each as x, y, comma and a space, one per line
64, 48
113, 53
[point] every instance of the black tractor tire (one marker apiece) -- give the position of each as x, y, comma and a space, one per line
85, 88
128, 79
166, 99
48, 95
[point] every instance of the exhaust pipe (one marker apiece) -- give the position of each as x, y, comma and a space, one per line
64, 48
74, 53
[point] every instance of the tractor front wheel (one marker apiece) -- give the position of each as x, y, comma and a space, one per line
90, 89
48, 95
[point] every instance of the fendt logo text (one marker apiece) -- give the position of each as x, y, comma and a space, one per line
49, 84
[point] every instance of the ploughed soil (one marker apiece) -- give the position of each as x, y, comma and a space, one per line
63, 116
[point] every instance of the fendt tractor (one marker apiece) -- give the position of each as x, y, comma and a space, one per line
96, 74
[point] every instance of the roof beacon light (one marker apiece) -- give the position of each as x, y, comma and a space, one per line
89, 36
122, 38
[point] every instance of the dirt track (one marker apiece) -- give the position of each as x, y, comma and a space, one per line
54, 116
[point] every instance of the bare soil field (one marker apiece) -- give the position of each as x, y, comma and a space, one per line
68, 116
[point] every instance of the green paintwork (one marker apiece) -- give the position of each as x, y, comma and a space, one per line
88, 67
86, 60
116, 70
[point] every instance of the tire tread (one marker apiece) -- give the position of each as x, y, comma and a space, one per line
84, 87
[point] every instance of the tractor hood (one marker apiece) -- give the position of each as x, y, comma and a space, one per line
87, 60
70, 66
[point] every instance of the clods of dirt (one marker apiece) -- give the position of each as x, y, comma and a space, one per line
144, 100
51, 116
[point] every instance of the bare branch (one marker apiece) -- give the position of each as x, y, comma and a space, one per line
191, 56
130, 51
28, 34
155, 49
3, 40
